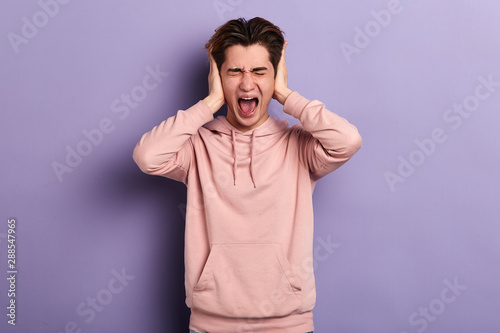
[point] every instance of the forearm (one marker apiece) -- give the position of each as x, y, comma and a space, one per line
337, 136
156, 149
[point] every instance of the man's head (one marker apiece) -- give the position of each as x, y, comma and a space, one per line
247, 54
246, 33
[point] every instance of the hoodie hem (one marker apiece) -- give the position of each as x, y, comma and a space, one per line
295, 323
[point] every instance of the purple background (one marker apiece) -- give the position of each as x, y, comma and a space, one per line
392, 247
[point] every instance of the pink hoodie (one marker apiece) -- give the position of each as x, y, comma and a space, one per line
249, 216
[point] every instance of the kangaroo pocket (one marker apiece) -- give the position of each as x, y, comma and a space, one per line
247, 281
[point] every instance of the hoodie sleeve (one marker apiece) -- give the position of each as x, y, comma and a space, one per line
167, 149
328, 140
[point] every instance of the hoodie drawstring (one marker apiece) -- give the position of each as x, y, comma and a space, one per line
234, 155
251, 159
235, 163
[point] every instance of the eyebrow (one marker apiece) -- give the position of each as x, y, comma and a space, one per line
258, 69
238, 70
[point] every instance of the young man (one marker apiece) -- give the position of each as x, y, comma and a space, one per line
250, 179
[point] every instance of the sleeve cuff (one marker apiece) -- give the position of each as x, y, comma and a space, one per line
295, 104
200, 114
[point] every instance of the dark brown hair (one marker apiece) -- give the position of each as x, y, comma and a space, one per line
246, 33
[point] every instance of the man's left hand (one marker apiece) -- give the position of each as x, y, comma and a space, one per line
281, 90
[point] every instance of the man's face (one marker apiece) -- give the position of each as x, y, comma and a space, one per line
248, 83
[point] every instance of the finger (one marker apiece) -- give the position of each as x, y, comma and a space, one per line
284, 47
211, 59
282, 60
213, 65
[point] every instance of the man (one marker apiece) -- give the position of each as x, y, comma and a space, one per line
249, 178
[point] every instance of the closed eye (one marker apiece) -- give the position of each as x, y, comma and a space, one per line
234, 71
258, 71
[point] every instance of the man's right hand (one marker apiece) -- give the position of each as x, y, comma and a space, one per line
215, 99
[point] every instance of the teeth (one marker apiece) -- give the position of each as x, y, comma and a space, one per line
247, 99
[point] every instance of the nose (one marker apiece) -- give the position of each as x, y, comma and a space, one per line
247, 81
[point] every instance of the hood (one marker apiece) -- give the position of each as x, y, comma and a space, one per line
243, 144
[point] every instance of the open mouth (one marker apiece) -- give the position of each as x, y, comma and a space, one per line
248, 106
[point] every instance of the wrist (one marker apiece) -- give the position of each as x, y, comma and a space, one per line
213, 103
282, 95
